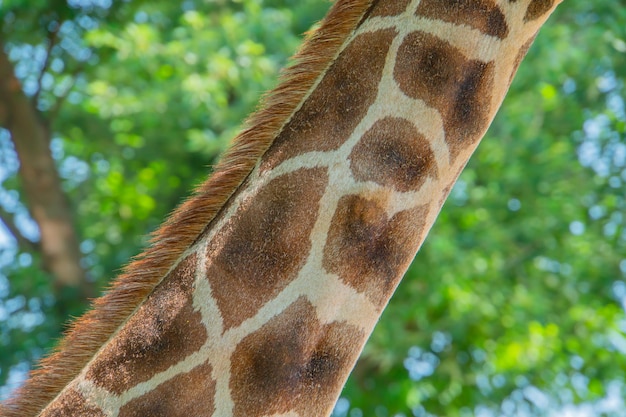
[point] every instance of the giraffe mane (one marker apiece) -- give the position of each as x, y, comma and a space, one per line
86, 335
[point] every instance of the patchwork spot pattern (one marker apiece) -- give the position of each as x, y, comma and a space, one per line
344, 197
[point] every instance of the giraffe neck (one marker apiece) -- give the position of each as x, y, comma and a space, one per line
265, 307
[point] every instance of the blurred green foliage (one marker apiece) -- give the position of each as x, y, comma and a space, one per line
515, 304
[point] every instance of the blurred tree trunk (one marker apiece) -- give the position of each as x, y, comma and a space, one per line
41, 184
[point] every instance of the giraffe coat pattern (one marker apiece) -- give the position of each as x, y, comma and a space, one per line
267, 301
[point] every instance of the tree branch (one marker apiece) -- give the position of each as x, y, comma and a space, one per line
47, 202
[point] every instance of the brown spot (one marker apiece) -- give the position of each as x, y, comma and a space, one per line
266, 245
450, 186
163, 331
70, 404
520, 56
370, 251
394, 154
294, 363
445, 193
432, 70
338, 104
537, 8
483, 15
389, 8
186, 395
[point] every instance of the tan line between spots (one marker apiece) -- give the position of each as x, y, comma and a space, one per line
186, 395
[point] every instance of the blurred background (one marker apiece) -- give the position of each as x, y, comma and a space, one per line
110, 112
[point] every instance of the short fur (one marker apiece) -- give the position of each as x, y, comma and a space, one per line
109, 312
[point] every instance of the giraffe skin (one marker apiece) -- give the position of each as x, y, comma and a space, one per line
267, 311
